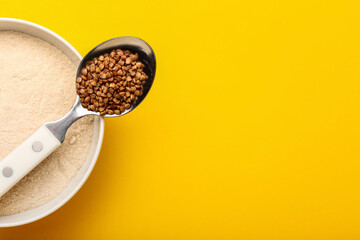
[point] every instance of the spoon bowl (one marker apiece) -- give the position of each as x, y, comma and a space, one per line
134, 45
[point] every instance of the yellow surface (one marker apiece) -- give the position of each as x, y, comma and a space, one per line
251, 130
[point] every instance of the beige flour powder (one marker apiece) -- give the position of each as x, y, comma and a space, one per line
37, 85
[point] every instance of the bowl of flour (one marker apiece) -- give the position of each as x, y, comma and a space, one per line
37, 85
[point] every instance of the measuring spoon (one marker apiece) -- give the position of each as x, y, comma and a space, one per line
52, 134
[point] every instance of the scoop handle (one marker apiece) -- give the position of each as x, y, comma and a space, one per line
26, 157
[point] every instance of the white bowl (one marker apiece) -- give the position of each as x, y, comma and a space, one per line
80, 178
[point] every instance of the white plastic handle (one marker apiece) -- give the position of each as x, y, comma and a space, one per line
26, 157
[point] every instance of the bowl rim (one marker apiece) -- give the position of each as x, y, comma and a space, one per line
99, 140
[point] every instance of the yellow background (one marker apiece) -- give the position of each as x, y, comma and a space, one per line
251, 130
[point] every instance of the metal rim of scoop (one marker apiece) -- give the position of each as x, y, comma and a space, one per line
134, 45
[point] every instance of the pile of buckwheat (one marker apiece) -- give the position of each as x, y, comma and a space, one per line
111, 83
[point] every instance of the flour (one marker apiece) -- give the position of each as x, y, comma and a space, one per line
37, 85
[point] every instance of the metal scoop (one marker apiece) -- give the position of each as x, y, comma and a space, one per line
51, 135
